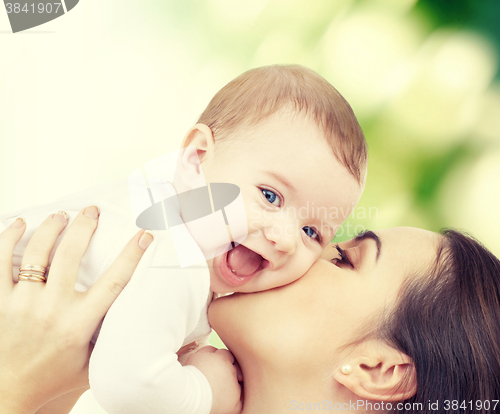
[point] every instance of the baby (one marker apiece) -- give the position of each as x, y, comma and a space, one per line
292, 145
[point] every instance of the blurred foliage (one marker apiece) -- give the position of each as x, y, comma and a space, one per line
481, 16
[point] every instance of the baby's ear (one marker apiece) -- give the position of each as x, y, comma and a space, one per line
201, 137
375, 371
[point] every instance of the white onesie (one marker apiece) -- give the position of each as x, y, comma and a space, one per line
134, 367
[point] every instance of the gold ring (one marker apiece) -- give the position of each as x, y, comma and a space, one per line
31, 277
33, 268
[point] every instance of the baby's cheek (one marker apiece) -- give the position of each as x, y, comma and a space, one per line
301, 265
312, 257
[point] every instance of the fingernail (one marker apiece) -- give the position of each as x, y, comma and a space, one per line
62, 216
18, 223
93, 212
146, 239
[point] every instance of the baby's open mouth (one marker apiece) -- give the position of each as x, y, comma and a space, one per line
244, 262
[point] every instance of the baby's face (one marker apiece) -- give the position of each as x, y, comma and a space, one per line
296, 196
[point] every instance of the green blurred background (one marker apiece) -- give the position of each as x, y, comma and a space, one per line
89, 97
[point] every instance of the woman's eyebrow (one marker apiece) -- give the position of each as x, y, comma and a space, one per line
368, 234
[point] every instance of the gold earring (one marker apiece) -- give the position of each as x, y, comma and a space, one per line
346, 369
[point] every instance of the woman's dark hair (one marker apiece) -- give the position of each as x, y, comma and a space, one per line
449, 324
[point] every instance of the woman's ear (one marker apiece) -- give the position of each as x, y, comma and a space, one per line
202, 138
375, 371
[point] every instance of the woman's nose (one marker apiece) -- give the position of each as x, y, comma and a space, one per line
283, 238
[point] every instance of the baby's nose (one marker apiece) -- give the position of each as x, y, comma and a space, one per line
283, 240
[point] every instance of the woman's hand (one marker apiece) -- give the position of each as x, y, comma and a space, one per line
46, 327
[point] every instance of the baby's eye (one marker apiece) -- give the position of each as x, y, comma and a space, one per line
272, 197
312, 233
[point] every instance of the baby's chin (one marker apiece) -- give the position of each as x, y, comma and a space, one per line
220, 288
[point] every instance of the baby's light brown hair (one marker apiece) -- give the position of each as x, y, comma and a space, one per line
259, 93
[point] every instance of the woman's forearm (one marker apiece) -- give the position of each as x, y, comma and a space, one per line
13, 402
62, 404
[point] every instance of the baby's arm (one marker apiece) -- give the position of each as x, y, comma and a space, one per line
218, 365
134, 367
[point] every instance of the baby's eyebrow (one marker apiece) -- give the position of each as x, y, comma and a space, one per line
283, 180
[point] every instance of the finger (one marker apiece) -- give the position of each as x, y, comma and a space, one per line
207, 350
239, 372
226, 355
239, 406
8, 240
64, 267
41, 243
109, 286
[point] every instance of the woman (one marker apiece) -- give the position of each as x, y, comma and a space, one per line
400, 316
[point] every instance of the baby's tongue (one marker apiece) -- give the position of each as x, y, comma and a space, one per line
243, 261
